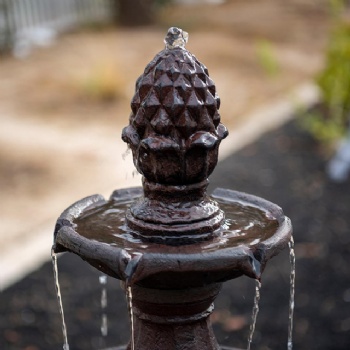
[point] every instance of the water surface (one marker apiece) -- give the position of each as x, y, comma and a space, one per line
245, 224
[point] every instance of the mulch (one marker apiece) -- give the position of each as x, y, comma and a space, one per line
285, 166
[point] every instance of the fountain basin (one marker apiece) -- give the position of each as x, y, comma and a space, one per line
253, 232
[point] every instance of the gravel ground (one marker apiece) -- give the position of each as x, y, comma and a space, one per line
285, 166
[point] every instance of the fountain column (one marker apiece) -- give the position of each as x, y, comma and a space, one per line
173, 319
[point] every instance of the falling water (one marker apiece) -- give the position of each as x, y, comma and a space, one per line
104, 320
254, 312
126, 153
131, 315
135, 173
59, 299
292, 292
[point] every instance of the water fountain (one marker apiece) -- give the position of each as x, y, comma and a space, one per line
170, 243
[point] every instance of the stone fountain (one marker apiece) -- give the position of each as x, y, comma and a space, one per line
170, 243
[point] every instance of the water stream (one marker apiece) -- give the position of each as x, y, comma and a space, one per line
292, 292
59, 299
254, 312
126, 153
104, 321
131, 315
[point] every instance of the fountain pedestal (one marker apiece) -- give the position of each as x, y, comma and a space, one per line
174, 319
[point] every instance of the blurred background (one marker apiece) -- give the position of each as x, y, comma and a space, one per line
67, 75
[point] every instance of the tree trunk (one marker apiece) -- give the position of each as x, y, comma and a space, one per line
135, 12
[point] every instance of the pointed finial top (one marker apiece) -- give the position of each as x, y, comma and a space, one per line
175, 38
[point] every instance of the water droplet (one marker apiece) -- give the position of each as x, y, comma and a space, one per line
104, 325
126, 153
103, 279
104, 320
104, 298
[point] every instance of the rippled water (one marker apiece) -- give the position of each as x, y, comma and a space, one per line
244, 224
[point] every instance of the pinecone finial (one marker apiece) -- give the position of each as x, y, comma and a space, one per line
175, 130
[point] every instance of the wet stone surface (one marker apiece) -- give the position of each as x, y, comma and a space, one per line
286, 167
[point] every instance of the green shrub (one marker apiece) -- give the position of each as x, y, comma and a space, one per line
334, 84
267, 58
103, 83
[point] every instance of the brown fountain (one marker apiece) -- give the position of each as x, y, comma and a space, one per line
170, 242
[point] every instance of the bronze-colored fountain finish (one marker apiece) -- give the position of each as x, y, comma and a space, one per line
174, 134
170, 242
175, 128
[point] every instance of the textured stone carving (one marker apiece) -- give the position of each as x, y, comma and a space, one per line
175, 128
